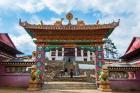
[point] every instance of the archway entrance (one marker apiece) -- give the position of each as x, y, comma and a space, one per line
72, 60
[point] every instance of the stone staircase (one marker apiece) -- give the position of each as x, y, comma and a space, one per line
69, 85
53, 69
68, 79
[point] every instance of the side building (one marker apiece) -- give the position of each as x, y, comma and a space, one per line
125, 76
12, 69
7, 48
132, 55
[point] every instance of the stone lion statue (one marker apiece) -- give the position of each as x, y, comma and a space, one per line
104, 84
104, 74
35, 74
35, 83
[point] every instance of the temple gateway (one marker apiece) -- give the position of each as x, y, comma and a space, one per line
69, 42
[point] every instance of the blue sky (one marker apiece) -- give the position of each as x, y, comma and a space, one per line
128, 11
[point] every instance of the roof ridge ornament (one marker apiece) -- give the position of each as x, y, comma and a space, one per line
69, 17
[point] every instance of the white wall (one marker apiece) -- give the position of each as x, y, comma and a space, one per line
78, 58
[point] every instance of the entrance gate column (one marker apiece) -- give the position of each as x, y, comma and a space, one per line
40, 60
99, 52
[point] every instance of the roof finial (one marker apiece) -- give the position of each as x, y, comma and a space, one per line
69, 17
41, 22
62, 20
118, 22
76, 19
97, 22
20, 21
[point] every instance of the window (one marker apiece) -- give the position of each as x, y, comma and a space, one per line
69, 52
78, 52
53, 49
60, 53
53, 53
85, 53
85, 59
60, 49
91, 53
91, 59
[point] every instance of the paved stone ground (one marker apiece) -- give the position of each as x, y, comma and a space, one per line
21, 90
24, 90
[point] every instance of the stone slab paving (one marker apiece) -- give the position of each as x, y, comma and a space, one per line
24, 90
66, 82
20, 90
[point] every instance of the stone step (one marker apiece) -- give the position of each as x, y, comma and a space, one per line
69, 85
74, 79
70, 79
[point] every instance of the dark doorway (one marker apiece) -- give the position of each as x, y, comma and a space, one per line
69, 52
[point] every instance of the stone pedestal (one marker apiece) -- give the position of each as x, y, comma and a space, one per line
104, 86
35, 85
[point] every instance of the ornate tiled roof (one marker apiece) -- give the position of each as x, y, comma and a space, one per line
58, 25
27, 25
133, 49
4, 37
135, 44
7, 48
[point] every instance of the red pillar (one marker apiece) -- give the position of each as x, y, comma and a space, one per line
40, 60
99, 60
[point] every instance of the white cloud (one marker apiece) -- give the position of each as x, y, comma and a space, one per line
24, 43
18, 29
61, 5
34, 20
8, 5
104, 6
128, 11
31, 6
4, 3
22, 40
